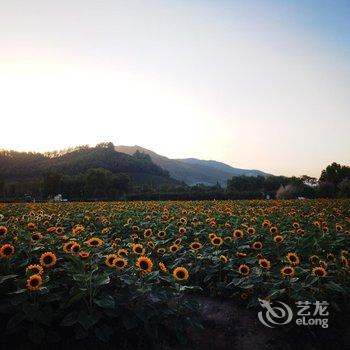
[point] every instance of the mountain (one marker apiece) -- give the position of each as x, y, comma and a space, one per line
191, 170
19, 166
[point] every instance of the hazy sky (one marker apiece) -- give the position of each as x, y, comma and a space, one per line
255, 84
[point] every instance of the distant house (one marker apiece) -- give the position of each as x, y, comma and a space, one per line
58, 198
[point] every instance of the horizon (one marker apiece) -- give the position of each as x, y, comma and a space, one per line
71, 148
259, 85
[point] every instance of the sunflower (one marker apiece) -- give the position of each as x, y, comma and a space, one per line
264, 263
36, 236
296, 225
161, 234
138, 249
106, 230
241, 254
77, 229
182, 230
238, 234
266, 223
3, 231
178, 241
273, 229
196, 245
319, 271
314, 259
94, 242
344, 261
181, 274
323, 264
48, 259
151, 244
120, 263
288, 271
161, 250
122, 252
244, 270
144, 264
244, 296
223, 259
51, 229
250, 230
75, 247
257, 245
84, 255
183, 221
117, 240
7, 250
67, 247
110, 260
217, 241
147, 233
338, 228
35, 269
135, 229
59, 230
300, 231
34, 282
293, 258
212, 235
162, 267
174, 248
344, 253
278, 239
31, 227
330, 257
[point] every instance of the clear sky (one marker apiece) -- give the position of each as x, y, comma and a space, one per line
255, 84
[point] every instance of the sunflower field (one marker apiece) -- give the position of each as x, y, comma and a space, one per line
126, 273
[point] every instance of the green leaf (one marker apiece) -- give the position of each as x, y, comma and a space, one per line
88, 320
19, 291
129, 321
76, 297
80, 333
102, 280
15, 320
7, 277
103, 333
335, 287
69, 319
53, 337
106, 301
36, 335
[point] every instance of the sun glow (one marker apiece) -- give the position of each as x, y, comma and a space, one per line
55, 106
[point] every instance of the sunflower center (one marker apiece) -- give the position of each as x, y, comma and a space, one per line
47, 259
119, 263
34, 282
180, 274
144, 265
8, 251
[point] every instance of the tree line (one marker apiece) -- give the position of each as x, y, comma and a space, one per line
81, 174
